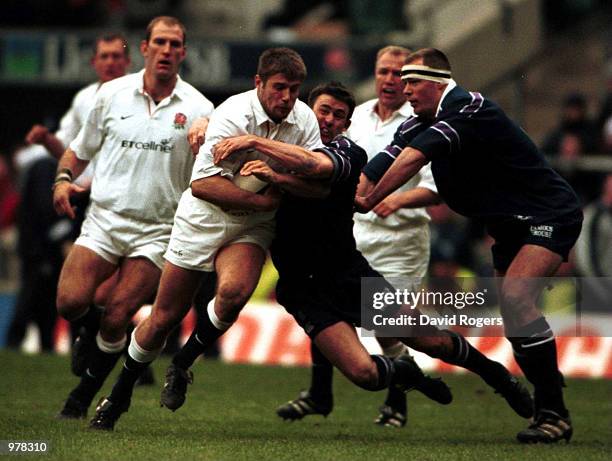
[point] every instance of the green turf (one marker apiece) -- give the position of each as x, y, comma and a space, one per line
229, 415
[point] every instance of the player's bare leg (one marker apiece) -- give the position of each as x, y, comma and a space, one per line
136, 282
533, 342
238, 267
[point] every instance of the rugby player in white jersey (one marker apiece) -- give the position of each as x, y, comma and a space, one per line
137, 135
219, 226
110, 60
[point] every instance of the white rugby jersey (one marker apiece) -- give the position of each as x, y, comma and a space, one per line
143, 159
371, 133
74, 119
72, 122
243, 114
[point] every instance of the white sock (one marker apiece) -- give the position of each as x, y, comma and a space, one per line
140, 354
108, 347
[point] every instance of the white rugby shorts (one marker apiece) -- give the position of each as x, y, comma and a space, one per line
395, 252
113, 236
201, 229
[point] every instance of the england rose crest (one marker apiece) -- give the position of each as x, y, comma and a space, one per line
179, 121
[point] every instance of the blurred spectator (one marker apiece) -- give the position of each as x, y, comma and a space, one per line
575, 136
138, 13
605, 110
594, 247
41, 234
80, 13
9, 198
593, 254
607, 137
575, 122
322, 19
328, 19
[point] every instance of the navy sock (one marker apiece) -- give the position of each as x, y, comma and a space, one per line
205, 333
100, 366
535, 351
190, 351
90, 321
467, 356
322, 373
124, 386
388, 374
396, 399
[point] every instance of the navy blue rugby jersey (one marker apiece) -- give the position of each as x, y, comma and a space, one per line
315, 236
483, 163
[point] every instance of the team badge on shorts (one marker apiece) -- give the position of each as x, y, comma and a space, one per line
541, 231
179, 121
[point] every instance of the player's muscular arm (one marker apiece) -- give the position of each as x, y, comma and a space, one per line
69, 160
415, 198
406, 165
40, 134
69, 167
365, 185
222, 192
295, 158
302, 187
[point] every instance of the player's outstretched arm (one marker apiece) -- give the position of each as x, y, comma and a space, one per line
406, 165
295, 158
40, 134
302, 187
414, 198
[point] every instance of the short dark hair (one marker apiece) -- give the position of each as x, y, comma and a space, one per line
169, 21
111, 38
336, 90
431, 57
281, 61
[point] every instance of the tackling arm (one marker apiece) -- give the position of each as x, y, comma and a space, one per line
222, 192
295, 158
405, 166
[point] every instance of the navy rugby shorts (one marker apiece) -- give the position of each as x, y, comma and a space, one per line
318, 302
558, 235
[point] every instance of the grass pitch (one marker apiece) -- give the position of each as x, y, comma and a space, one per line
229, 414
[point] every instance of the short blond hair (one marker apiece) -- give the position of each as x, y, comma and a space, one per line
169, 21
393, 50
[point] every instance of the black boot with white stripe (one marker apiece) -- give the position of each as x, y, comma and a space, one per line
549, 427
304, 405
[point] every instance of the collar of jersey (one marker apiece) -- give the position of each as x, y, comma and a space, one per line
451, 86
404, 111
179, 88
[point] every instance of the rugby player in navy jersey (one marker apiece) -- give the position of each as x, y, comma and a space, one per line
320, 269
486, 166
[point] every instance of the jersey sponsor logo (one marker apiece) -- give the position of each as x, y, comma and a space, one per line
163, 146
541, 231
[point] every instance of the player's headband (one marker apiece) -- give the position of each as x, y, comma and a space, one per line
425, 73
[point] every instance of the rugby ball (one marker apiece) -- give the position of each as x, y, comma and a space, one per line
250, 183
